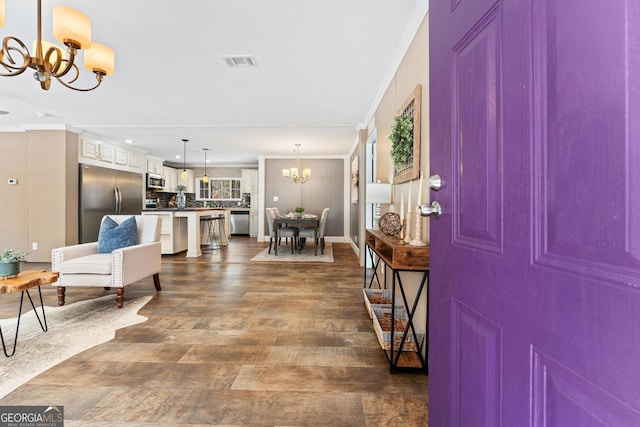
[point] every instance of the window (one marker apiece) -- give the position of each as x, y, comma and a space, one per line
219, 189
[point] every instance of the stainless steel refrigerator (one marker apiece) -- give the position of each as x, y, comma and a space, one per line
106, 191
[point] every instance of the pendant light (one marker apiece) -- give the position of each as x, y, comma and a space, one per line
205, 178
292, 173
185, 174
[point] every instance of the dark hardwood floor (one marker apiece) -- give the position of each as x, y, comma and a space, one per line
234, 343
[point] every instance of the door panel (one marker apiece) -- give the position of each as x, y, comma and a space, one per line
535, 263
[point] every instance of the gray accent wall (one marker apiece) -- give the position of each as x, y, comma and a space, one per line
325, 189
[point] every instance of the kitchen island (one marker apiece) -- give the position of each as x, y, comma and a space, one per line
181, 228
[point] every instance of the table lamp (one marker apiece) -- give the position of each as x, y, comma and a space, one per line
378, 193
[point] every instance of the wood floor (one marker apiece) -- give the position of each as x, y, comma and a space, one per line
234, 343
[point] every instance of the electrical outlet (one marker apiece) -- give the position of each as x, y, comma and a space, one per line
275, 198
34, 246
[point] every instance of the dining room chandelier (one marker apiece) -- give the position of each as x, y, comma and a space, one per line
292, 173
73, 29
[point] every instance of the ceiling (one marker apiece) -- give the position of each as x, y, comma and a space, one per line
322, 67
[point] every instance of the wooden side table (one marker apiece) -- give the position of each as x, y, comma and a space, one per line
401, 258
22, 282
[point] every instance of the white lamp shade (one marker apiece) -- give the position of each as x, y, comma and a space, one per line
71, 25
2, 6
306, 173
285, 173
378, 192
99, 58
294, 172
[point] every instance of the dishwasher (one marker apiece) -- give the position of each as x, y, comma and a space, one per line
239, 221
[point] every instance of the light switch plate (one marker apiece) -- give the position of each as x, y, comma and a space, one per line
275, 198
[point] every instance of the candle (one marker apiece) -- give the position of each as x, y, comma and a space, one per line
420, 190
402, 206
409, 202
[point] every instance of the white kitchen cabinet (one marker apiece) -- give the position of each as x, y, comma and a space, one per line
173, 232
95, 150
122, 156
154, 165
249, 180
133, 159
253, 224
170, 179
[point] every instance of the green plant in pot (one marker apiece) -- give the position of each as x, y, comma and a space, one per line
401, 138
299, 211
10, 260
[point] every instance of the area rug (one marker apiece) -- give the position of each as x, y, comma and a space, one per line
73, 328
285, 255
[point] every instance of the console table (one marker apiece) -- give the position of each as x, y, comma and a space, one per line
401, 258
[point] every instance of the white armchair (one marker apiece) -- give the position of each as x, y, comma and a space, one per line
82, 265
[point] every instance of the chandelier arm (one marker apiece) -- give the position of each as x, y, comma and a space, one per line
6, 55
98, 78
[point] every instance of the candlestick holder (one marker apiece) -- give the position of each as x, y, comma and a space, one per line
407, 235
417, 234
401, 232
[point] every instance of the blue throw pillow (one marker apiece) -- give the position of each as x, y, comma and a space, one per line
113, 236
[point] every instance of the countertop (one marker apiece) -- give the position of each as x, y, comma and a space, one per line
184, 210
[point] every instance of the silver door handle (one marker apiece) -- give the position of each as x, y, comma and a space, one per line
435, 182
434, 209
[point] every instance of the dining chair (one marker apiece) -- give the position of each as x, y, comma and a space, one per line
310, 232
279, 232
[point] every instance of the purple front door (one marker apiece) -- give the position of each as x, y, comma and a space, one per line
535, 262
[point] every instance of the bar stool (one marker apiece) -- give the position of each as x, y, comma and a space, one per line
206, 228
219, 230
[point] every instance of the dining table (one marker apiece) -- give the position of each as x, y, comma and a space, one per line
304, 221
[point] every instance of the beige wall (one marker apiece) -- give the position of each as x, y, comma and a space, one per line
45, 201
413, 70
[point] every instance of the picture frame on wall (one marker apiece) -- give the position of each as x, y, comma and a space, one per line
412, 108
354, 181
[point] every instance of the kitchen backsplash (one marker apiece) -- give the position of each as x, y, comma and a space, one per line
167, 200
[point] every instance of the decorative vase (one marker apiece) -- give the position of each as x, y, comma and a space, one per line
181, 200
9, 269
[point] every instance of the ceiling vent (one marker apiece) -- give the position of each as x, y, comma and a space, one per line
240, 61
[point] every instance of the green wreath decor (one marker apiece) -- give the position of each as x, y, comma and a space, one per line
401, 139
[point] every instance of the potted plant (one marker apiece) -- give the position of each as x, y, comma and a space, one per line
401, 138
10, 260
181, 198
299, 211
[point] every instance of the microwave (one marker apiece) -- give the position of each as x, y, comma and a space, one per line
155, 181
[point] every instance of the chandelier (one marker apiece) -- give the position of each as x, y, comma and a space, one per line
292, 174
73, 29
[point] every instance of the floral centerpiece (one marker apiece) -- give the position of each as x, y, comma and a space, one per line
299, 211
10, 260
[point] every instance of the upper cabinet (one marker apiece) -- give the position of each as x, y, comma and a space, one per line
170, 178
154, 165
109, 155
249, 180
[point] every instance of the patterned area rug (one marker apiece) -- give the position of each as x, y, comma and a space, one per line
284, 255
73, 328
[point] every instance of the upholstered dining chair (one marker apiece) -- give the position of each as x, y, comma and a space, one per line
108, 264
276, 234
310, 233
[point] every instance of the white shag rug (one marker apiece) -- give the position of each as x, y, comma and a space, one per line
285, 255
73, 328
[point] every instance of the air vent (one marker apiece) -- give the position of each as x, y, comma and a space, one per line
238, 61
